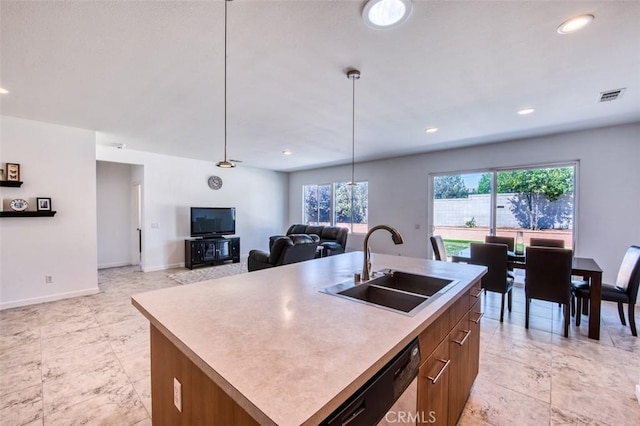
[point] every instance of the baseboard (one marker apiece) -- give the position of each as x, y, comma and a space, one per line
114, 265
162, 267
49, 298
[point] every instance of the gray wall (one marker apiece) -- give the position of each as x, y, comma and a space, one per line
607, 195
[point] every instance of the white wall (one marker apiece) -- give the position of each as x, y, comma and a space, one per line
172, 185
56, 162
608, 177
114, 212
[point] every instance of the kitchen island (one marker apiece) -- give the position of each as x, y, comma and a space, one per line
268, 347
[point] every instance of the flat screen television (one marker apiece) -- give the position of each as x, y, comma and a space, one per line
213, 221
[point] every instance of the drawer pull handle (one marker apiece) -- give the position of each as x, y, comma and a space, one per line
446, 365
464, 339
479, 293
477, 321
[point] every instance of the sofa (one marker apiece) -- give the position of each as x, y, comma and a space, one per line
284, 250
333, 239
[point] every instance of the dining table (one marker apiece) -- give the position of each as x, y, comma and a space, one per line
584, 267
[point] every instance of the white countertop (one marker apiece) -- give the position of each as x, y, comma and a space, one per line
287, 353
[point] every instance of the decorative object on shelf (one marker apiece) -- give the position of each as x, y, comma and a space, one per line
13, 172
19, 205
1, 174
43, 204
215, 182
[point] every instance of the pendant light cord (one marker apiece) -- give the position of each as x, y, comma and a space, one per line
225, 80
353, 133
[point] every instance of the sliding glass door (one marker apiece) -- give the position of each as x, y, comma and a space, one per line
537, 201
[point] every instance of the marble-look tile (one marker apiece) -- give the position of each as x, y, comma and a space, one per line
20, 368
119, 406
526, 351
594, 402
143, 389
21, 407
491, 404
58, 324
534, 381
80, 360
566, 417
74, 388
53, 346
116, 312
137, 365
576, 370
145, 422
128, 337
13, 335
26, 314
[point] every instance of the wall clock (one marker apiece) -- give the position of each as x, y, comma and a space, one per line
215, 182
19, 205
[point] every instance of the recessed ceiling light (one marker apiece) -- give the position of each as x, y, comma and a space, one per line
386, 13
526, 111
3, 91
431, 129
287, 152
574, 24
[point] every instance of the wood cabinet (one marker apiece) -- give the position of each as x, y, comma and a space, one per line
215, 251
457, 355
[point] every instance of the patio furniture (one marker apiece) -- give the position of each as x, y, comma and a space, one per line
625, 289
494, 257
439, 250
548, 278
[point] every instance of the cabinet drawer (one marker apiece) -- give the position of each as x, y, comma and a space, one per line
433, 386
435, 333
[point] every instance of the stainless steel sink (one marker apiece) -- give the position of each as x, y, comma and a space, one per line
397, 291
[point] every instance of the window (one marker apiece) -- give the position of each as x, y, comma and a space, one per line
337, 204
537, 201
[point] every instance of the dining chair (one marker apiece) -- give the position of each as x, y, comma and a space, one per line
494, 257
509, 241
546, 242
438, 247
495, 239
548, 277
625, 290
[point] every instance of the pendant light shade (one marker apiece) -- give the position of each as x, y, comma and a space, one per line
353, 75
225, 164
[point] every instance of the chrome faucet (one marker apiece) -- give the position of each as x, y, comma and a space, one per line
366, 266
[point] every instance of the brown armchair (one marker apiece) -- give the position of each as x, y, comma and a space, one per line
284, 250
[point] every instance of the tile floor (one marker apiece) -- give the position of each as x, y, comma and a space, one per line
86, 361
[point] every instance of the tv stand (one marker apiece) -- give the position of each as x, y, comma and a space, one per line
211, 251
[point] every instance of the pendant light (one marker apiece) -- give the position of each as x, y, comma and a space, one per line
353, 75
224, 163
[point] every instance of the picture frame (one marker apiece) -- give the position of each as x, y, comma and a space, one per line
1, 174
13, 172
43, 204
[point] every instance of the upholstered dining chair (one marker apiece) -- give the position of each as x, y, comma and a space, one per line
494, 257
509, 241
625, 290
495, 239
548, 277
438, 247
546, 242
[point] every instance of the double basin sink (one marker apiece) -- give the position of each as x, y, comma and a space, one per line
397, 291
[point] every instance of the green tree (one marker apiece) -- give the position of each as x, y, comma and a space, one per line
535, 189
452, 186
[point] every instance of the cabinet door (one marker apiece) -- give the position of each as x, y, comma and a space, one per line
433, 386
459, 343
224, 250
197, 252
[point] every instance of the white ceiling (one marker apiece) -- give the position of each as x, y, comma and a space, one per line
151, 74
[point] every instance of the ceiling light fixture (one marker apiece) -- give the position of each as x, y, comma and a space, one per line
224, 163
353, 75
431, 129
575, 23
287, 152
526, 111
379, 14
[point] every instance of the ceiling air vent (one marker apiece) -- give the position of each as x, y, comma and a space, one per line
611, 95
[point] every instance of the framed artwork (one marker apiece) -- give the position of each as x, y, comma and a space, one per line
43, 204
13, 171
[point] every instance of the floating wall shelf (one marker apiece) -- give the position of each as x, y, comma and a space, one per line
11, 183
28, 214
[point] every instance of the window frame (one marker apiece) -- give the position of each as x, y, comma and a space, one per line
332, 203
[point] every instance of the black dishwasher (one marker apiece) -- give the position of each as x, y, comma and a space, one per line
371, 402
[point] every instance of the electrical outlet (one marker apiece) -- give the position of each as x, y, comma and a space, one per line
155, 225
48, 279
177, 394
